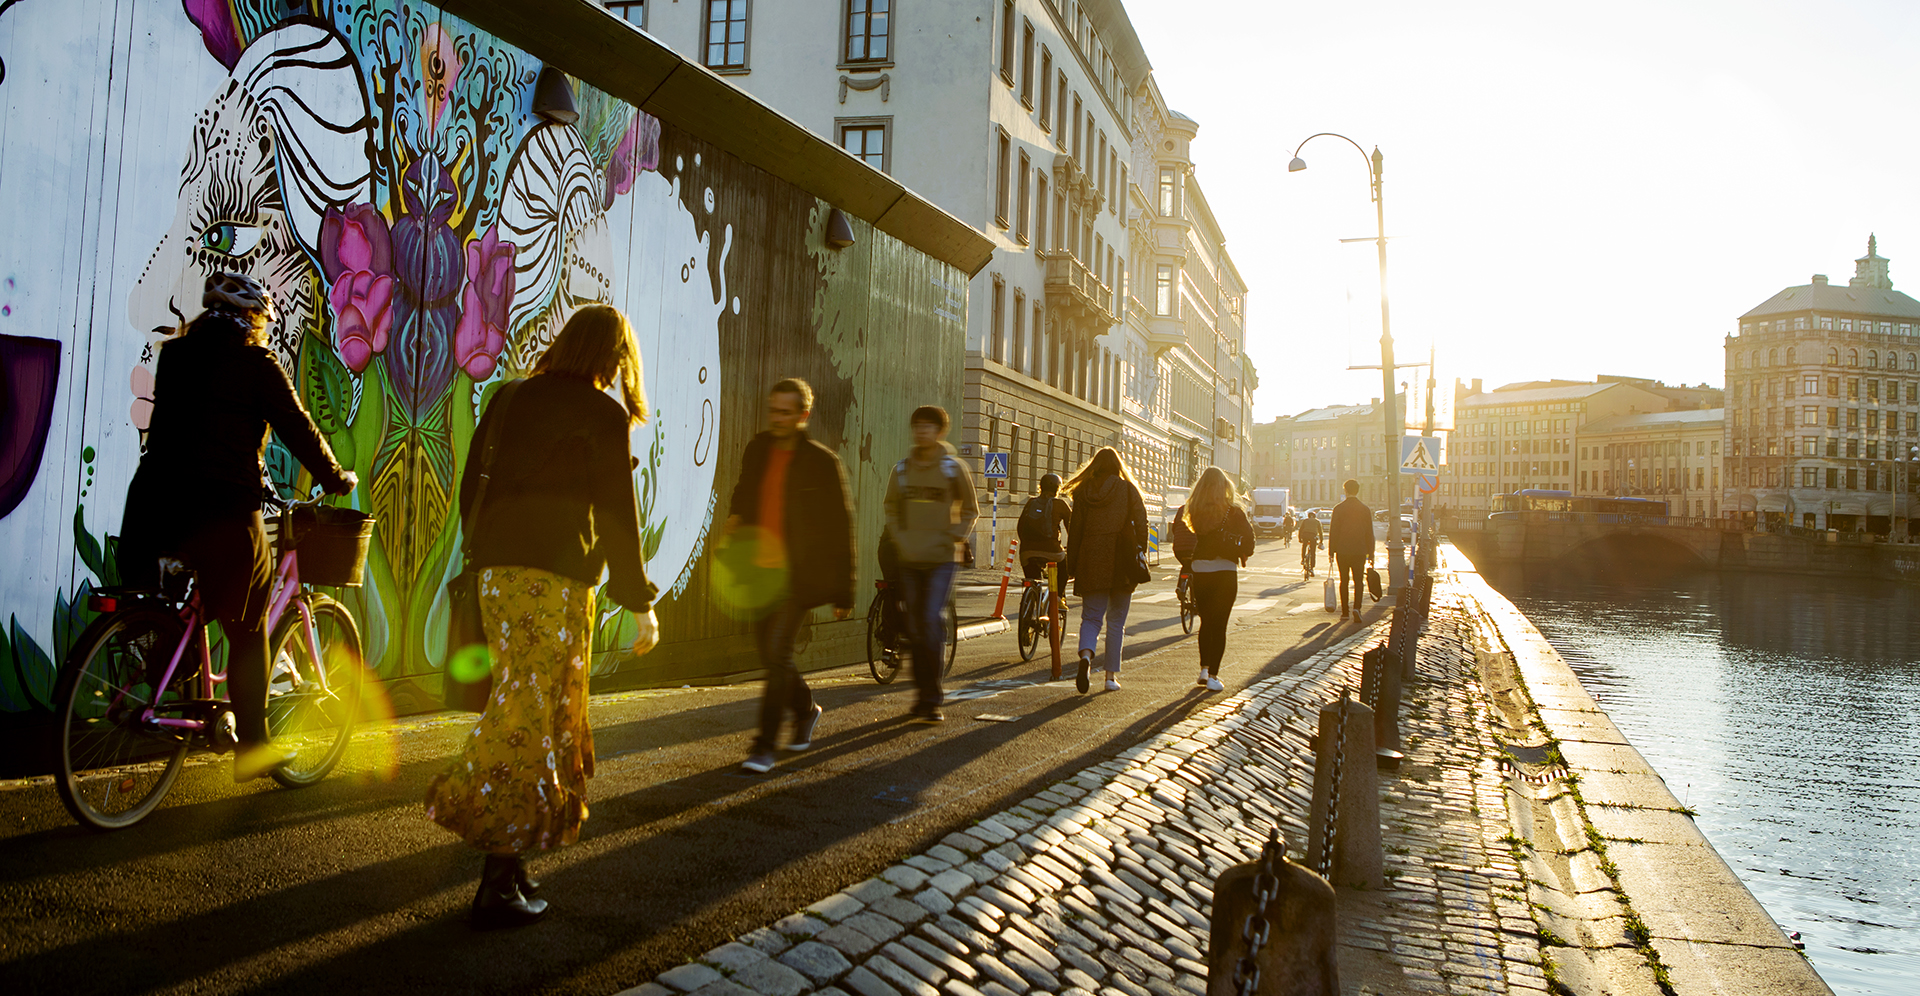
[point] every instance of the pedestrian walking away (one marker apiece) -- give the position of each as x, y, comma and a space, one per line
791, 505
1350, 541
559, 511
196, 494
1222, 540
1107, 531
930, 508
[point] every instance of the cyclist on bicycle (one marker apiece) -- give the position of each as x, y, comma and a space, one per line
1309, 541
218, 390
1040, 522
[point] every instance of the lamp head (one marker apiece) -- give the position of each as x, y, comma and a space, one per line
553, 97
839, 234
1297, 165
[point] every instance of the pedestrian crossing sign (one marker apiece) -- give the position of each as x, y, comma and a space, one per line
996, 465
1419, 455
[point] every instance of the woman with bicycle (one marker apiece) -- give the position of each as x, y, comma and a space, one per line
1107, 530
1222, 541
559, 510
196, 496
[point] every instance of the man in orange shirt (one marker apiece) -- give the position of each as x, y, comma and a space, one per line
794, 491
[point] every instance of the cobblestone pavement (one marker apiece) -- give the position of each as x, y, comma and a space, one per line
1102, 884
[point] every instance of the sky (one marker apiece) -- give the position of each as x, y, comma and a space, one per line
1572, 190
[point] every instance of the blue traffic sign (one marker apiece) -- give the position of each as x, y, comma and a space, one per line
996, 465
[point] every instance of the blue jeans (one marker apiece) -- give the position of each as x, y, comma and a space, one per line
786, 691
1113, 606
926, 590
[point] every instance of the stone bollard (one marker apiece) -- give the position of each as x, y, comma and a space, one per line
1300, 956
1357, 858
1380, 676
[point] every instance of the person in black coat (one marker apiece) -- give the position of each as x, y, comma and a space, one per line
197, 493
1350, 540
1222, 542
794, 492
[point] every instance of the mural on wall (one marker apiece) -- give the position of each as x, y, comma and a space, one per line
381, 168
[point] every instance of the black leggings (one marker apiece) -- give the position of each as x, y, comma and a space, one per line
1213, 594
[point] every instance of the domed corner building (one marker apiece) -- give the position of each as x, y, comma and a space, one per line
1823, 407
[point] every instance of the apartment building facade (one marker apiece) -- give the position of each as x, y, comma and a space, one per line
1525, 436
1823, 400
1672, 456
1037, 122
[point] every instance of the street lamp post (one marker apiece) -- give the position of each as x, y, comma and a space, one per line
1395, 423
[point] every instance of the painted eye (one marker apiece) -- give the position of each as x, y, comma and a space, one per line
230, 238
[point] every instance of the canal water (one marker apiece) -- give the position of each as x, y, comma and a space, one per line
1785, 710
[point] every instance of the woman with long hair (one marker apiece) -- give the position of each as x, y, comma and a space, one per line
1223, 539
1105, 533
559, 510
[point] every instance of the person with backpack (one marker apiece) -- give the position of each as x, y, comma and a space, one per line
1219, 539
1105, 535
1039, 528
930, 508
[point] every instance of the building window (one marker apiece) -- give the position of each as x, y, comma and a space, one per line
1026, 66
1060, 113
1166, 191
997, 345
1040, 208
1019, 358
1025, 203
1002, 179
869, 31
1074, 148
1046, 92
1006, 41
1163, 291
726, 34
1873, 359
633, 12
867, 139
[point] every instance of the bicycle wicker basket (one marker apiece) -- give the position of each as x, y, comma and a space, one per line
332, 542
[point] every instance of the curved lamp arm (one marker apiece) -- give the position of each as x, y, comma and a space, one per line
1373, 162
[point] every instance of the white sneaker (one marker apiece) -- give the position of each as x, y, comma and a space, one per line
1214, 685
1113, 684
1203, 677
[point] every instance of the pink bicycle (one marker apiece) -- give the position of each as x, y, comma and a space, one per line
138, 690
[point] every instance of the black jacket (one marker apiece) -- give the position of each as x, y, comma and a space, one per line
819, 519
1351, 532
215, 397
1231, 539
561, 495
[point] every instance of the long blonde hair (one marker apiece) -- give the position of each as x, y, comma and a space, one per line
1212, 495
1104, 463
597, 344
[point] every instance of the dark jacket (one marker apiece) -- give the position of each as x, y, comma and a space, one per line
561, 495
1351, 532
1100, 512
215, 397
819, 519
1230, 539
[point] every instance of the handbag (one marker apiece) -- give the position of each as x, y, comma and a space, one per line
1129, 558
469, 669
1373, 583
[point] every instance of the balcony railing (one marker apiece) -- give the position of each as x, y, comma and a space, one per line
1073, 290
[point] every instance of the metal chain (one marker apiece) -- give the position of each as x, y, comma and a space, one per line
1325, 863
1255, 929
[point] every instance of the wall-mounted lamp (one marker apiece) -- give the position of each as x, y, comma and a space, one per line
839, 230
553, 97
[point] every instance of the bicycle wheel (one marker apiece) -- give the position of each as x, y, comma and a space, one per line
312, 703
953, 637
882, 659
114, 769
1030, 626
1187, 613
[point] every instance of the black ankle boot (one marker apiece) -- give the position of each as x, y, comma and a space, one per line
499, 902
529, 886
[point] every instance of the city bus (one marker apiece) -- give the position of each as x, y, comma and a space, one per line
1567, 506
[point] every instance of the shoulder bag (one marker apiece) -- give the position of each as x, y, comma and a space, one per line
1129, 559
469, 668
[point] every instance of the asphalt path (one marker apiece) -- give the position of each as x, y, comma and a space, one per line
346, 887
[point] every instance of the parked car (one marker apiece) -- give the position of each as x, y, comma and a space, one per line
1380, 525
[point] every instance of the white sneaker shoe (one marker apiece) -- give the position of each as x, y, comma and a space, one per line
1203, 677
1113, 684
1214, 685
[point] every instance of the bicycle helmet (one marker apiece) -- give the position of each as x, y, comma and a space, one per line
238, 292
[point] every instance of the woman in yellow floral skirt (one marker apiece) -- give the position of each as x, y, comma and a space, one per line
560, 510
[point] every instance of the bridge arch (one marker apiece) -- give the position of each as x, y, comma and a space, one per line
1626, 547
